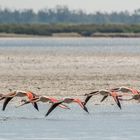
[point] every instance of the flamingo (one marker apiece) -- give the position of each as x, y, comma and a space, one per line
105, 94
125, 90
18, 93
134, 97
44, 99
68, 101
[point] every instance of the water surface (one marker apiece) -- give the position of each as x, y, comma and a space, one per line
103, 123
83, 45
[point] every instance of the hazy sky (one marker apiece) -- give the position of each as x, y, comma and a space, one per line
86, 5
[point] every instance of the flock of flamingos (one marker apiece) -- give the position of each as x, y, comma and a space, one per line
117, 94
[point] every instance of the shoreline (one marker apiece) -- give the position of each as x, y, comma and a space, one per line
74, 35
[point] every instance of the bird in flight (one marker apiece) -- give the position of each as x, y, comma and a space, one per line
68, 101
18, 93
105, 94
44, 99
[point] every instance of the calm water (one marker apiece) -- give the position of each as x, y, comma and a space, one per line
103, 122
96, 45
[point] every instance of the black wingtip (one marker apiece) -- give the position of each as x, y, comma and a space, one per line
119, 105
36, 106
47, 114
87, 99
104, 98
53, 106
118, 102
6, 101
85, 108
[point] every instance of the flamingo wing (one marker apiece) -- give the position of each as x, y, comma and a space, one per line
85, 108
35, 106
82, 105
87, 99
32, 96
104, 98
6, 101
53, 106
89, 95
116, 99
2, 98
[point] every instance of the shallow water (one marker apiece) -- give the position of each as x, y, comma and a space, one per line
83, 45
103, 123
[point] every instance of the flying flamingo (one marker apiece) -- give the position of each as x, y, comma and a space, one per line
105, 94
68, 101
18, 93
44, 99
134, 97
125, 90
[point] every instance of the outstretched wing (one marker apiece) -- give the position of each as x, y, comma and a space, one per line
104, 98
85, 108
87, 99
6, 101
32, 96
116, 99
54, 105
35, 106
89, 95
2, 98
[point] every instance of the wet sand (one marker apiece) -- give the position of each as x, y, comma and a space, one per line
62, 73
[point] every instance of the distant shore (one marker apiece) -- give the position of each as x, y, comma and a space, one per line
12, 35
69, 30
112, 35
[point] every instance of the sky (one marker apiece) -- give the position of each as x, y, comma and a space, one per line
88, 6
